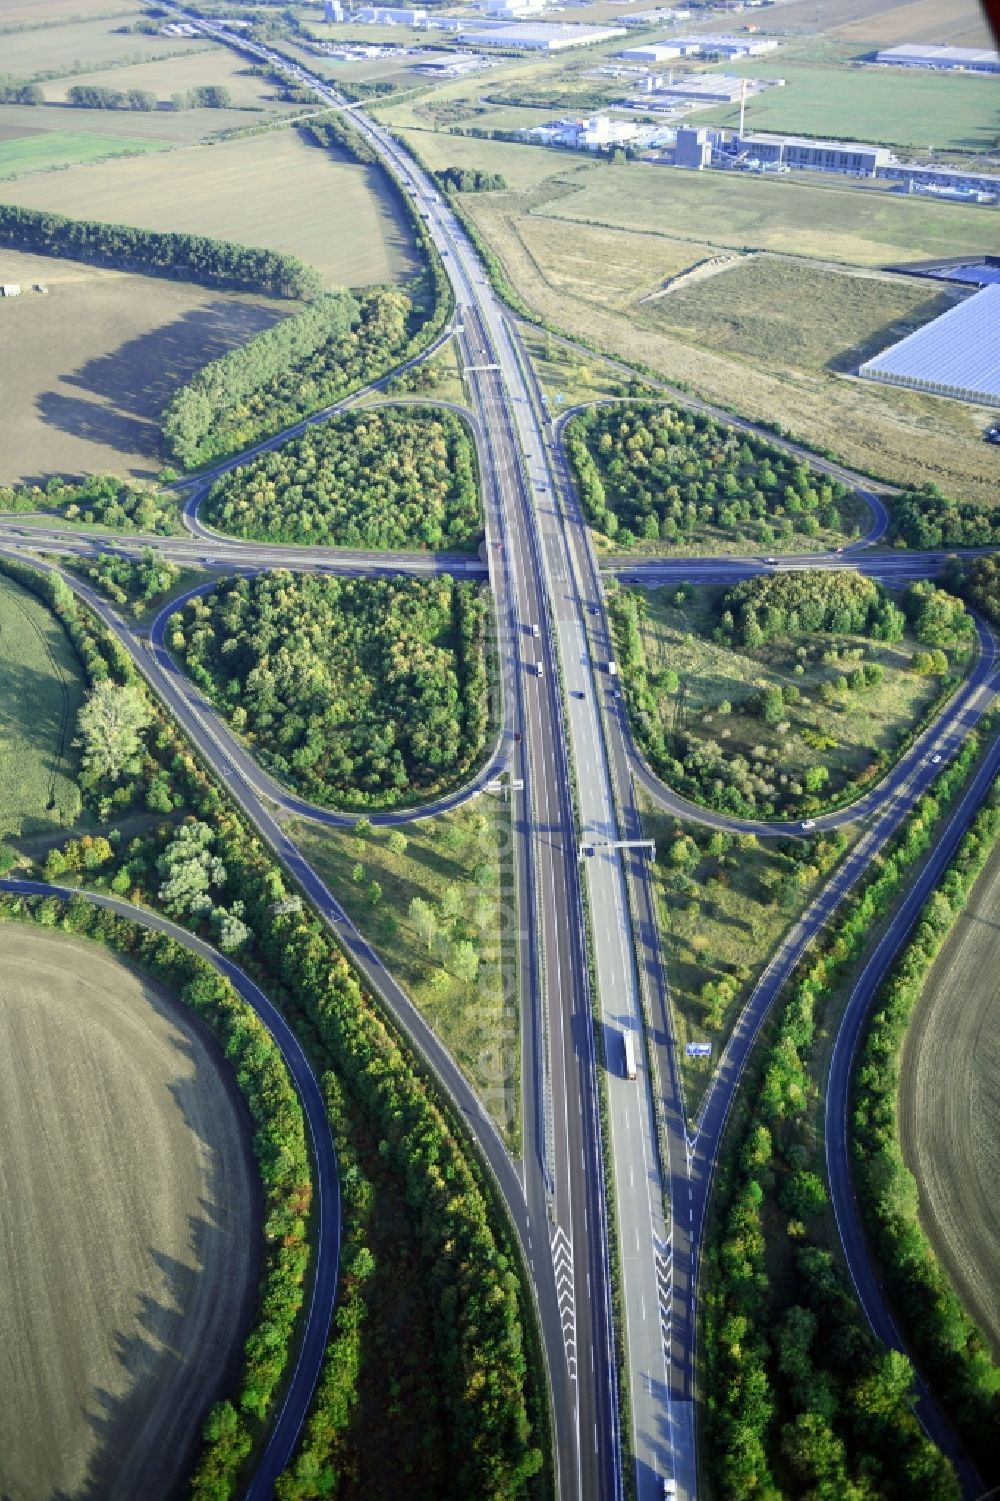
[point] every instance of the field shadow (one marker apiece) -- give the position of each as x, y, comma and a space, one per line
123, 392
848, 360
183, 1349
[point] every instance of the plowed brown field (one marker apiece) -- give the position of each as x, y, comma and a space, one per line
950, 1104
128, 1226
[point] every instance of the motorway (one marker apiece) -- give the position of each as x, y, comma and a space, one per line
575, 763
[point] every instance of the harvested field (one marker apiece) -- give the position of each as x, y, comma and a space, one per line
609, 268
41, 689
129, 1221
523, 166
92, 43
956, 23
44, 12
789, 374
165, 77
817, 16
950, 1104
89, 367
302, 201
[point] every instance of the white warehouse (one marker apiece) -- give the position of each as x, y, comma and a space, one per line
542, 37
961, 59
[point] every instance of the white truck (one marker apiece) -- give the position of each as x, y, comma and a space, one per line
629, 1055
612, 669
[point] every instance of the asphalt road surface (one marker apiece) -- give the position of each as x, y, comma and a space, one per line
575, 763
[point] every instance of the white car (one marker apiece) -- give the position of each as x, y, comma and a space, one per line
809, 823
935, 760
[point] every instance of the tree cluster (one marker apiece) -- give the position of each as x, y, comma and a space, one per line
111, 721
100, 499
647, 472
927, 519
977, 580
94, 96
810, 600
464, 1395
13, 92
354, 691
203, 96
378, 478
953, 1351
295, 367
232, 1427
938, 618
801, 1400
186, 257
126, 581
756, 780
470, 180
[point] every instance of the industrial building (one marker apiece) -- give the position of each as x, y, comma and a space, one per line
726, 46
512, 10
543, 37
694, 146
800, 154
598, 133
961, 59
943, 182
707, 88
654, 18
387, 15
654, 52
452, 65
956, 355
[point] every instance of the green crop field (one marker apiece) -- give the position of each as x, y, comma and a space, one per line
66, 148
948, 1098
462, 858
911, 107
41, 689
272, 190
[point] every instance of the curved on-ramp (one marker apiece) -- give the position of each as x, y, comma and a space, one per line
287, 1425
268, 786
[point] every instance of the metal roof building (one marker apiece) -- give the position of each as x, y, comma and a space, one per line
969, 59
956, 355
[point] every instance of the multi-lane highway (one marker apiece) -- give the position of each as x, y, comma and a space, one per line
589, 959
